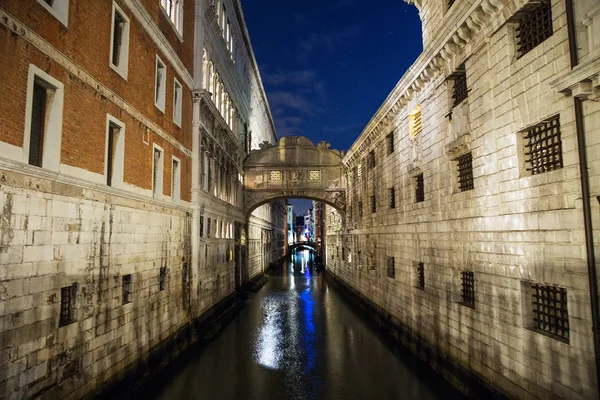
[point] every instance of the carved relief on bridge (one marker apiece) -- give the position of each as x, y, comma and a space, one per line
294, 168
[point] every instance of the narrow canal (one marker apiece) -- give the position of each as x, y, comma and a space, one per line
298, 339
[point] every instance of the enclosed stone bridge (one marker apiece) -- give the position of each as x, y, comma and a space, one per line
294, 168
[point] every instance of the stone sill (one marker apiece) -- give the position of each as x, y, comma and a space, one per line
458, 147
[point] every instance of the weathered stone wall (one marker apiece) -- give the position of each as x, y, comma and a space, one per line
512, 230
55, 234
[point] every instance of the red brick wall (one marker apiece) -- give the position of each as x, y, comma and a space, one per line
84, 118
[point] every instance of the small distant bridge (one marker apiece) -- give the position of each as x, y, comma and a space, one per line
311, 245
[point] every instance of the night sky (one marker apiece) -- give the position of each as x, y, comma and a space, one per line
327, 66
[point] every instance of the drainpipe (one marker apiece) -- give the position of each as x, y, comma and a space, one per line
585, 194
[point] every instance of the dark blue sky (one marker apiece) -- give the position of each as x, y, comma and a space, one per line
327, 66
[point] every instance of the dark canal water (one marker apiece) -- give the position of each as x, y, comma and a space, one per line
298, 339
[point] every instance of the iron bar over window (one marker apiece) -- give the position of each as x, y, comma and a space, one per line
126, 289
465, 172
421, 275
392, 197
468, 288
534, 27
391, 269
419, 189
373, 204
67, 305
162, 283
460, 89
543, 147
550, 314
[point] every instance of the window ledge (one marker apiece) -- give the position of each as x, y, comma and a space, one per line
121, 71
549, 335
459, 146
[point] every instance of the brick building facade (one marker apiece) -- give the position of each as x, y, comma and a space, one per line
106, 249
465, 215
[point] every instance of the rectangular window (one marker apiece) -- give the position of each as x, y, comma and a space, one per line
174, 11
38, 118
58, 8
390, 142
175, 181
419, 188
314, 175
543, 146
360, 209
126, 288
208, 227
391, 269
373, 204
201, 228
550, 312
177, 97
468, 288
392, 197
44, 114
415, 125
157, 173
67, 305
275, 175
162, 279
534, 27
465, 172
119, 45
421, 276
160, 84
372, 261
371, 159
460, 91
115, 142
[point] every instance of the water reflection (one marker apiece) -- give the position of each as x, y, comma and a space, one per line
296, 339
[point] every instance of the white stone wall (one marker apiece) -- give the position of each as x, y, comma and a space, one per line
53, 235
511, 230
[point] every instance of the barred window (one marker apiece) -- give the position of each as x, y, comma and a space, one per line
372, 261
543, 146
275, 175
390, 142
419, 189
460, 91
465, 172
550, 313
392, 197
415, 125
314, 175
371, 159
534, 27
201, 227
391, 270
421, 275
67, 305
468, 288
360, 209
126, 288
373, 204
162, 280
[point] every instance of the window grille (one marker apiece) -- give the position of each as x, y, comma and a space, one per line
390, 142
208, 227
360, 209
550, 314
534, 27
162, 282
314, 175
371, 159
543, 147
372, 261
275, 176
391, 270
468, 288
421, 275
392, 197
460, 89
126, 289
465, 172
67, 305
373, 204
201, 228
419, 189
414, 122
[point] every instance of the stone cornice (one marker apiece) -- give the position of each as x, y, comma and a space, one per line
465, 21
583, 74
152, 29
